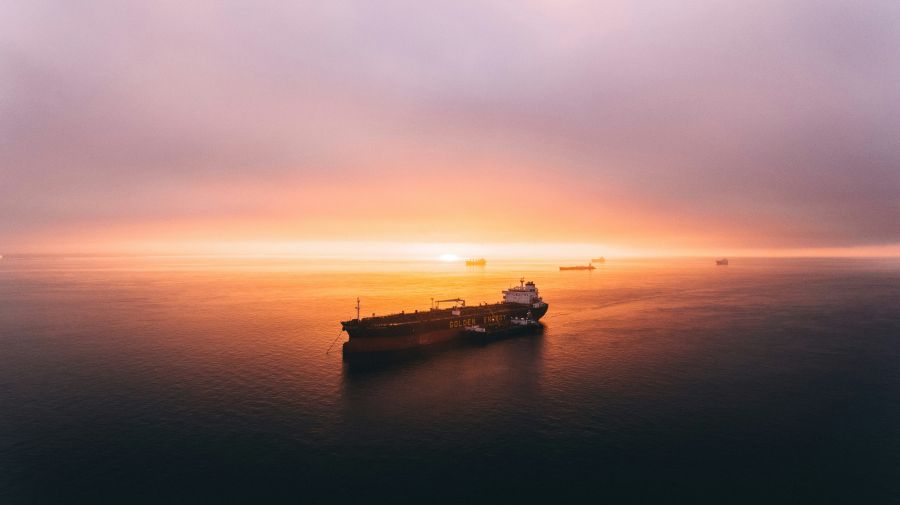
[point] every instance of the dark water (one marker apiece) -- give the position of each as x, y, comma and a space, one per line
207, 381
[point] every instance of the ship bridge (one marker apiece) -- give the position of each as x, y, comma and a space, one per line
525, 293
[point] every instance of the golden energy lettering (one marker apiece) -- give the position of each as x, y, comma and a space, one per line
462, 322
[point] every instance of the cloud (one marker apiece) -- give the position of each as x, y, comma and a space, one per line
759, 124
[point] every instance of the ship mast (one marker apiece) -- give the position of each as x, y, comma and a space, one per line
357, 308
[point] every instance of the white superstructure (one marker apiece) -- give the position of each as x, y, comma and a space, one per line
524, 294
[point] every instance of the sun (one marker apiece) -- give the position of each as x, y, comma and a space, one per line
448, 257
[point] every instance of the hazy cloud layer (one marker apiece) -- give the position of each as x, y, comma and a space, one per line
711, 123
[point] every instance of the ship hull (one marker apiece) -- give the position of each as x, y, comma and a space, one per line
413, 331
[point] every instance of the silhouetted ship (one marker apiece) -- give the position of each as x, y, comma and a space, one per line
601, 259
579, 267
476, 262
723, 261
521, 307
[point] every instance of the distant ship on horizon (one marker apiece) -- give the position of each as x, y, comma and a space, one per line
723, 261
476, 262
579, 267
601, 259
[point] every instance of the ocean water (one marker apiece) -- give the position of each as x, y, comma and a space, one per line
191, 380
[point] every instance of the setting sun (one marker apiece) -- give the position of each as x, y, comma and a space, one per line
448, 257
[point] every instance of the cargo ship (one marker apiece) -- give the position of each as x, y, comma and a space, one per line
476, 262
579, 267
601, 259
522, 307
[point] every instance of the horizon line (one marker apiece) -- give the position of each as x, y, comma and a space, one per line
418, 250
83, 255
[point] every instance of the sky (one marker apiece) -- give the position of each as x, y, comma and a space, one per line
509, 128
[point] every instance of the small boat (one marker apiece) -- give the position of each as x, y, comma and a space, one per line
476, 329
476, 262
601, 259
723, 261
579, 267
523, 321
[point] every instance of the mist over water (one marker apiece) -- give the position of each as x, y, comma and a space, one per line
185, 380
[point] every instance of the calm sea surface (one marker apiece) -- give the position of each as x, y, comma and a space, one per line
185, 380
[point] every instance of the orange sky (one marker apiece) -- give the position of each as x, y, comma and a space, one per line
490, 129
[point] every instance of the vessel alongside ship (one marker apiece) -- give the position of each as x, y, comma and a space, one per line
521, 308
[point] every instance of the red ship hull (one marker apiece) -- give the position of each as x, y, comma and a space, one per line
409, 331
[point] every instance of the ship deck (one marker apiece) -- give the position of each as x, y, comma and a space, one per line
427, 315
